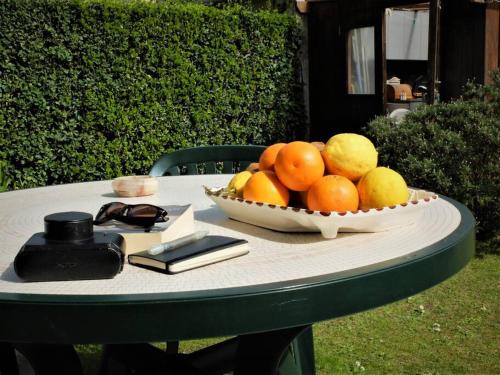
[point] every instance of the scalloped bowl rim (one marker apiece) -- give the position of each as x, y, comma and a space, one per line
428, 197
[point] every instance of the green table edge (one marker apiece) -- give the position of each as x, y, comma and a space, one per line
233, 311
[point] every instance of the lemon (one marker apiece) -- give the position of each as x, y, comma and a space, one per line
237, 183
382, 187
349, 155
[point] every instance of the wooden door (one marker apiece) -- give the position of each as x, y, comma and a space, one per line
433, 55
341, 99
362, 46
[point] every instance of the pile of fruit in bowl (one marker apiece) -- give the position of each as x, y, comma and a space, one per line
341, 175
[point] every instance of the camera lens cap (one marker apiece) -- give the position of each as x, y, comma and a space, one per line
69, 226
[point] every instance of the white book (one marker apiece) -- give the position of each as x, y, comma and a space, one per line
179, 224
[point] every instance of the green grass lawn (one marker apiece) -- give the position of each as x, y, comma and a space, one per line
452, 328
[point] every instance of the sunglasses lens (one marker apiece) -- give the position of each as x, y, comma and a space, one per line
109, 212
115, 208
142, 211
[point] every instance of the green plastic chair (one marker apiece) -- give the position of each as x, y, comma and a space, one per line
226, 159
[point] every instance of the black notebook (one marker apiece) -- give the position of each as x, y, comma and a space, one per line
210, 249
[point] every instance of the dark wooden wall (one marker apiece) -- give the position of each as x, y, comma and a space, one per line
323, 67
462, 46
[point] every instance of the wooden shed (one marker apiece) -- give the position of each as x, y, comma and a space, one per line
367, 57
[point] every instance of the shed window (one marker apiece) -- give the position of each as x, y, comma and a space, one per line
361, 61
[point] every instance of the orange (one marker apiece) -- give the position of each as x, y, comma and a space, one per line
298, 165
265, 187
333, 193
268, 157
253, 167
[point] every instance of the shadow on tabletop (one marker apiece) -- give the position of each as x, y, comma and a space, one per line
216, 216
110, 195
10, 275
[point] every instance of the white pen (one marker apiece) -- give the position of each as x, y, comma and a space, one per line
167, 246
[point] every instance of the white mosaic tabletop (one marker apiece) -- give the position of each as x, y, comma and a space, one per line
274, 256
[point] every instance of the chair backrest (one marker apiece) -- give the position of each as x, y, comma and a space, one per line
207, 160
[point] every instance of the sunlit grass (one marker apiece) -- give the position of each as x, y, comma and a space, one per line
449, 329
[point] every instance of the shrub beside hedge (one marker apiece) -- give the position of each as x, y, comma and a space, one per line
92, 90
452, 149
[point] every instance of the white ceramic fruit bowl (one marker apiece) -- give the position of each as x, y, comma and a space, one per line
293, 219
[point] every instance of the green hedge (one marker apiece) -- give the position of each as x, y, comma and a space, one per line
452, 149
91, 90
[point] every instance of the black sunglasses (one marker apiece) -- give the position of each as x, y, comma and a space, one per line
143, 215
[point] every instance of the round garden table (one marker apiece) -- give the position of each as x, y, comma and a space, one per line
266, 299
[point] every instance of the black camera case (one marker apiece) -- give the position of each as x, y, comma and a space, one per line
70, 250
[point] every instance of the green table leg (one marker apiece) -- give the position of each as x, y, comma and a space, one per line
8, 361
300, 357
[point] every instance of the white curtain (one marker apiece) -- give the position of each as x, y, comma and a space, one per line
362, 61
